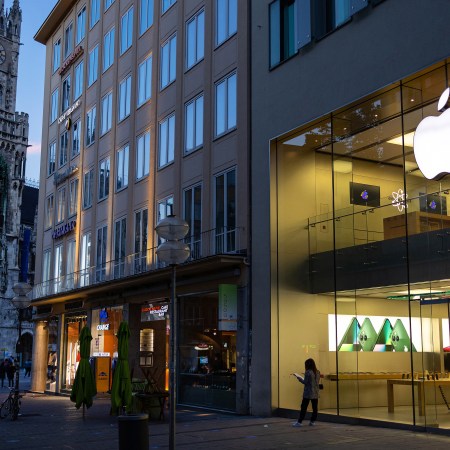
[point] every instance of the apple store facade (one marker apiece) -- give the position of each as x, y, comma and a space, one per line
362, 238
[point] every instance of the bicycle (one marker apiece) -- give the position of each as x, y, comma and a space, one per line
11, 406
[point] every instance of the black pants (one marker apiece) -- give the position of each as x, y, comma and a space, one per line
304, 406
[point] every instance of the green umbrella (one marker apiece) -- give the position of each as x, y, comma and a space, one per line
121, 386
84, 389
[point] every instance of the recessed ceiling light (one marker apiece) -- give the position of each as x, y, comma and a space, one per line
408, 138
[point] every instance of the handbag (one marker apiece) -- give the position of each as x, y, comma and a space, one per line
321, 386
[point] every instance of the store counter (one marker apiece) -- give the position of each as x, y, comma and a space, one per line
420, 383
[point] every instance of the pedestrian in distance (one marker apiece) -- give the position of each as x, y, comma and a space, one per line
311, 382
3, 372
28, 367
10, 370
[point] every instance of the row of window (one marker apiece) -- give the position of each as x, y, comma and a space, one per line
195, 37
225, 121
225, 222
295, 23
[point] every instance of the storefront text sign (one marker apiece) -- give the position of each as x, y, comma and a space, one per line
154, 312
70, 60
103, 327
69, 112
228, 307
64, 229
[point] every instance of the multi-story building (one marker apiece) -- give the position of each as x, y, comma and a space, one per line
13, 154
350, 259
142, 120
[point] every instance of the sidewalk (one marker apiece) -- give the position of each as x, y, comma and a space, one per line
52, 422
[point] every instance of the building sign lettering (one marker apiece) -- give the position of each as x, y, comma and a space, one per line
103, 327
64, 229
154, 312
62, 118
70, 60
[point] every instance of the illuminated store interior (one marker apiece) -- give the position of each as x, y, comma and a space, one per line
362, 265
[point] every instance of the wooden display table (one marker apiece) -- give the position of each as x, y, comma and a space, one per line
364, 376
418, 222
420, 391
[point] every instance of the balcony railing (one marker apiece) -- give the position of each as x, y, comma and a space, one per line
202, 245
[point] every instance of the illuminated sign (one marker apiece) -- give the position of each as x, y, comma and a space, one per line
154, 312
64, 229
69, 112
431, 142
70, 60
103, 327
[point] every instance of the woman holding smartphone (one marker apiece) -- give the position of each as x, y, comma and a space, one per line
310, 393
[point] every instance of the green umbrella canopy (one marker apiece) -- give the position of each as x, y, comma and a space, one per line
84, 389
121, 387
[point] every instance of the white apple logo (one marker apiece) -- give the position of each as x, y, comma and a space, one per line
432, 142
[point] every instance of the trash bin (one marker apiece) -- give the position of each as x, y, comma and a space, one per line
133, 432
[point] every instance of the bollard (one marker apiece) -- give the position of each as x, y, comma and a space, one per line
133, 432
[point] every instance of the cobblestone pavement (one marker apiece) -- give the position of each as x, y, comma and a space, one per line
52, 422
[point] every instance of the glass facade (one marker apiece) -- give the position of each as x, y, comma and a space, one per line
362, 247
207, 343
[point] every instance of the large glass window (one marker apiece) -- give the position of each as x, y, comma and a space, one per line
79, 75
108, 49
76, 138
51, 158
192, 209
93, 66
125, 98
166, 141
85, 259
370, 243
68, 40
106, 112
108, 3
226, 19
73, 324
65, 94
122, 168
58, 268
140, 240
63, 148
143, 155
73, 197
193, 125
145, 15
70, 264
54, 106
145, 80
81, 25
95, 13
166, 4
168, 61
103, 179
88, 186
49, 202
120, 238
226, 105
100, 257
126, 31
46, 270
61, 205
56, 55
195, 39
91, 118
225, 211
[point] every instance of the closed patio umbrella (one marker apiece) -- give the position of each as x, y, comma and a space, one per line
121, 386
84, 389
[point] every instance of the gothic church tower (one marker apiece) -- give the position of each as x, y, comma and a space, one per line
13, 152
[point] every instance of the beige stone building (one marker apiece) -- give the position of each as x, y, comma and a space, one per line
145, 115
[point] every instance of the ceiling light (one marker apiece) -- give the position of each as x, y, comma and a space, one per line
408, 138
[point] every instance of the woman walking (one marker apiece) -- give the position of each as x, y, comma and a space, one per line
310, 393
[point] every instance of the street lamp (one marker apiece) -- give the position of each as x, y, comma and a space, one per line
173, 251
20, 302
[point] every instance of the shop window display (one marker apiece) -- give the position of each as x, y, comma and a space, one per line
72, 329
207, 354
373, 239
52, 355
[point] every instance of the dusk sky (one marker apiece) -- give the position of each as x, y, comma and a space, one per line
30, 90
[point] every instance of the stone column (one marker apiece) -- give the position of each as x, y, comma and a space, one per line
40, 355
